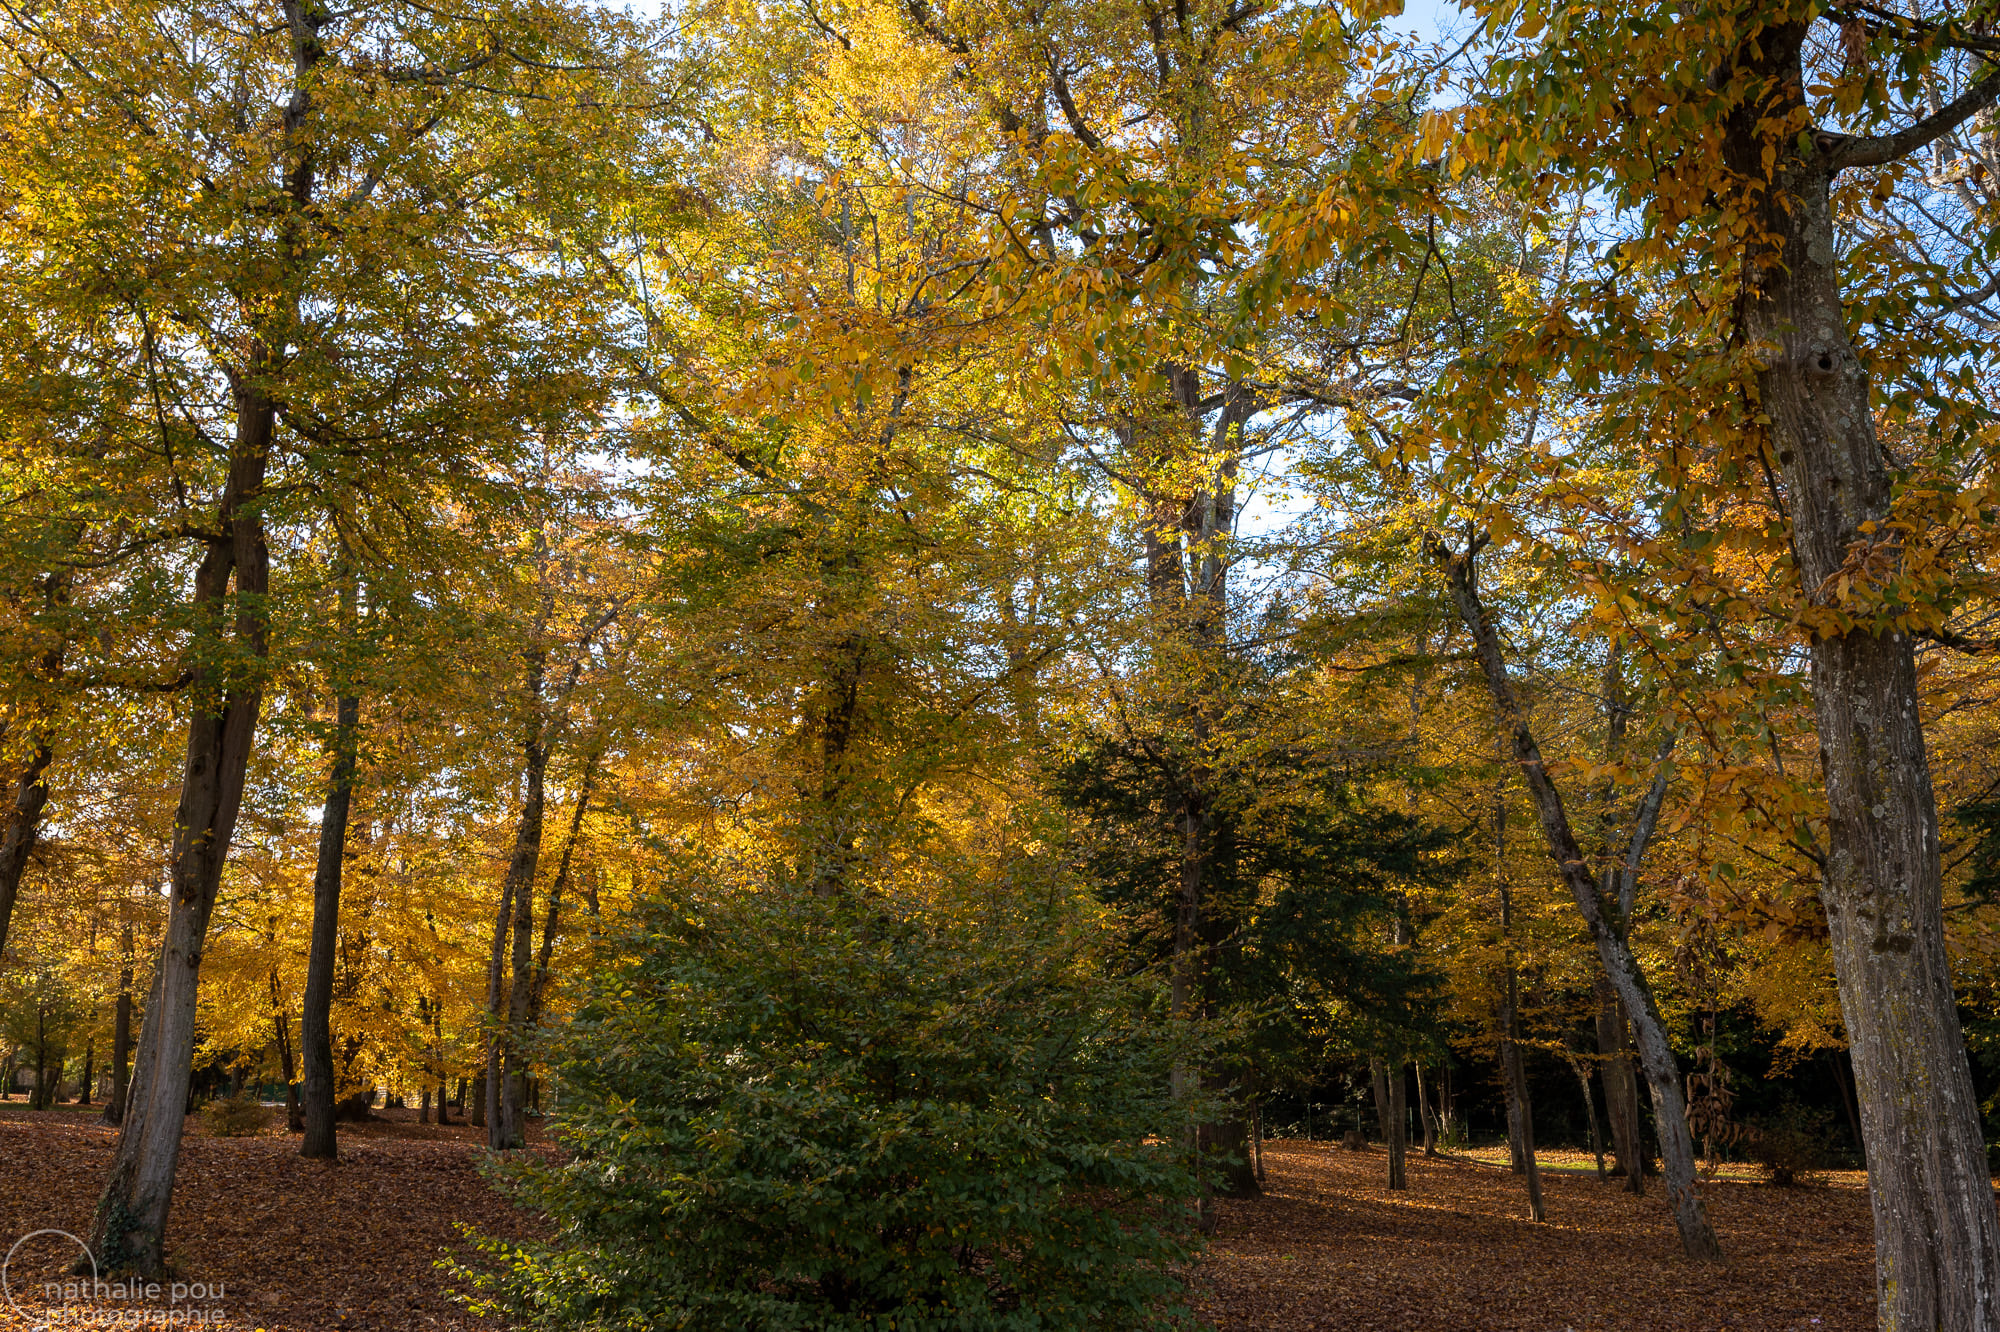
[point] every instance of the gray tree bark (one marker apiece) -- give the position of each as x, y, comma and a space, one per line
1937, 1239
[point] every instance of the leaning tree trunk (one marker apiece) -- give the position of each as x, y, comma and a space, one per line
552, 914
17, 841
131, 1222
1656, 1057
31, 789
316, 1010
1937, 1239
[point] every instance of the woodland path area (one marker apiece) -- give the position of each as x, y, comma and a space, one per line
298, 1246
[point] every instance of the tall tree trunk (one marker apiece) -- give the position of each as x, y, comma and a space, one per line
1399, 1129
281, 1026
437, 1060
1621, 1085
1521, 1128
486, 1105
1378, 1082
89, 1071
520, 994
1614, 1046
1937, 1238
1517, 1160
1517, 1155
121, 1025
506, 1059
1523, 1111
1425, 1113
130, 1227
1663, 1074
39, 1098
316, 1012
1582, 1071
131, 1221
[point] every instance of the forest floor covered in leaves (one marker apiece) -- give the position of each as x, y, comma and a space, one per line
1329, 1247
288, 1245
271, 1240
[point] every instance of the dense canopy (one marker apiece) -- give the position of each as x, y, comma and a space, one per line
915, 625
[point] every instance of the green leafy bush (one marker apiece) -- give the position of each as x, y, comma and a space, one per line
1791, 1145
235, 1117
783, 1111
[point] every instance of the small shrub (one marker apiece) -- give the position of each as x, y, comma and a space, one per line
787, 1112
235, 1117
1791, 1146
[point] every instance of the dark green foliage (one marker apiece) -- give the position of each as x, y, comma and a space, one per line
1980, 821
785, 1111
1792, 1145
1302, 880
